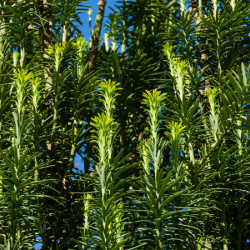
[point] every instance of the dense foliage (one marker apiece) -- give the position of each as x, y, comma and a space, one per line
158, 110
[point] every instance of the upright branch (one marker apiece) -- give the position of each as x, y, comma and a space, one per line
46, 40
109, 225
154, 101
96, 34
151, 152
46, 33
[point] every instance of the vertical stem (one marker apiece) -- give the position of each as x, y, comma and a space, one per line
46, 40
96, 34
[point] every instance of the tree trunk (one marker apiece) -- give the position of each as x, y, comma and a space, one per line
96, 34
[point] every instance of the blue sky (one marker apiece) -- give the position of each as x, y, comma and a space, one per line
94, 7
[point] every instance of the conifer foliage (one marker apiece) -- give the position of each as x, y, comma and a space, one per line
157, 109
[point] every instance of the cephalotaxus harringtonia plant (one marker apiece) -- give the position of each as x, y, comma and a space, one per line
210, 158
107, 209
154, 102
159, 184
231, 160
83, 92
184, 136
185, 110
83, 85
68, 63
61, 92
206, 143
17, 221
151, 153
176, 136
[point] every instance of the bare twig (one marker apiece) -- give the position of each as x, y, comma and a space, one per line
75, 28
